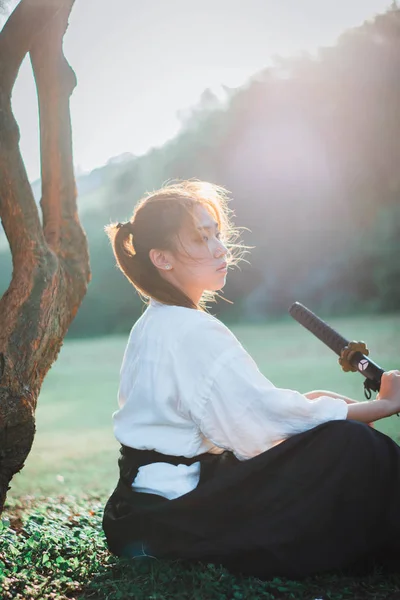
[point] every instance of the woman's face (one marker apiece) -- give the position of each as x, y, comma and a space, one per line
196, 266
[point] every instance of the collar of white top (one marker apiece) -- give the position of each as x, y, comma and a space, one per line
156, 302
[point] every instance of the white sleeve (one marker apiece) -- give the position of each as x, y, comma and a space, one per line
237, 408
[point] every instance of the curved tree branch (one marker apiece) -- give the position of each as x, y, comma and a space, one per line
55, 81
18, 211
27, 22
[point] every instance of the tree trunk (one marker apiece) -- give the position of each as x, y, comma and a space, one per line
50, 259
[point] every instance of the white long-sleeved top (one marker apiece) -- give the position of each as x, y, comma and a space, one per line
188, 386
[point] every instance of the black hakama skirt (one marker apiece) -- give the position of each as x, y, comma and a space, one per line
322, 500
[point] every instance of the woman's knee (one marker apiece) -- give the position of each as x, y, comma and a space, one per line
349, 427
348, 431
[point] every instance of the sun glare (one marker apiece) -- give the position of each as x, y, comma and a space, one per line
138, 75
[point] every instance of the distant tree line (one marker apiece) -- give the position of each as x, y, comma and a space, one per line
310, 149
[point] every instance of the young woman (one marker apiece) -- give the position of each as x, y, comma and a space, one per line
217, 464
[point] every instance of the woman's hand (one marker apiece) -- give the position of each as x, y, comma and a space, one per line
390, 389
386, 404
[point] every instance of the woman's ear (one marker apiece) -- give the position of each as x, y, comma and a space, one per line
160, 259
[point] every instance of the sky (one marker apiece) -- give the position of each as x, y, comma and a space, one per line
138, 63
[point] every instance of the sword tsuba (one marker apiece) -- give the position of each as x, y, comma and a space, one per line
348, 351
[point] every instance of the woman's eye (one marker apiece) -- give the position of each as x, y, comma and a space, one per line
217, 235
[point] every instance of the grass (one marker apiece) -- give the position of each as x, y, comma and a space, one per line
52, 545
53, 548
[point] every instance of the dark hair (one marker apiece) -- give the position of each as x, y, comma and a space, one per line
155, 223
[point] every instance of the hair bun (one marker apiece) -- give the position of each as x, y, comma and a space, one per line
127, 225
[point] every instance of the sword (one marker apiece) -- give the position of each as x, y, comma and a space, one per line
352, 355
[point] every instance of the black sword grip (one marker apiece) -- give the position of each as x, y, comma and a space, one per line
318, 327
336, 342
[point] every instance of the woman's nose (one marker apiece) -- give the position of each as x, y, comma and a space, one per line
221, 250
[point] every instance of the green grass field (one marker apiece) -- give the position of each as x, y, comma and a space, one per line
51, 541
74, 449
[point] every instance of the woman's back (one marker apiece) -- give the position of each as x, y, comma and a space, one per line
153, 382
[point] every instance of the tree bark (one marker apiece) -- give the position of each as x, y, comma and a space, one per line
50, 259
